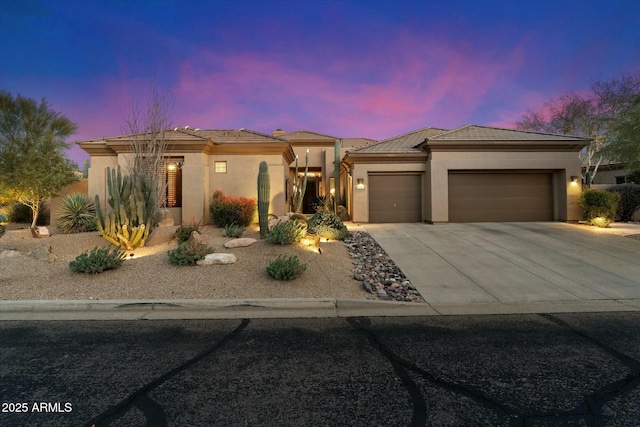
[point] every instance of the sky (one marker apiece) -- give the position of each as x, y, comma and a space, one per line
346, 68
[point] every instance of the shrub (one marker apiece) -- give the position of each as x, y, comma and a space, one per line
234, 230
298, 217
23, 214
77, 214
287, 232
188, 253
332, 233
629, 200
183, 232
599, 206
325, 220
229, 210
97, 261
283, 268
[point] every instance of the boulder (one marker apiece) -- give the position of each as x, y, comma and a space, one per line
43, 252
196, 237
8, 253
164, 218
213, 259
342, 213
240, 243
39, 232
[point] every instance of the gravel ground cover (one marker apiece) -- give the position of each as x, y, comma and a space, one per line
150, 275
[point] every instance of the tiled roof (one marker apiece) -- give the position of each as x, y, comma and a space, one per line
485, 133
356, 142
405, 143
231, 136
302, 135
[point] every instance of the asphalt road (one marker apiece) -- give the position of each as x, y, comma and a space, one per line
520, 370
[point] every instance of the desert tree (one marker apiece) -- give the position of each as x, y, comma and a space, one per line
594, 115
147, 127
32, 143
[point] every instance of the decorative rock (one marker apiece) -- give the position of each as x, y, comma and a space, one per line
367, 287
213, 259
240, 243
164, 218
342, 213
39, 232
8, 253
375, 267
43, 252
196, 237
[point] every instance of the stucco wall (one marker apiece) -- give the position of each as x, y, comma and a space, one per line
242, 177
562, 164
97, 177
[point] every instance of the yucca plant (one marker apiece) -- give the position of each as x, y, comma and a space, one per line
77, 214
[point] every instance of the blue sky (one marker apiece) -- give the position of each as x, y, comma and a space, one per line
371, 69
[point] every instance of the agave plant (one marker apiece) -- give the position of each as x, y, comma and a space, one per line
77, 214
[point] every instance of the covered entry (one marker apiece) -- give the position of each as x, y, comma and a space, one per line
395, 197
494, 196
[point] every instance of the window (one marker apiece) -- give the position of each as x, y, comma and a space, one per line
220, 167
172, 177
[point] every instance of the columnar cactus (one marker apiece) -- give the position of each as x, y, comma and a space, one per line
264, 187
131, 200
336, 175
300, 189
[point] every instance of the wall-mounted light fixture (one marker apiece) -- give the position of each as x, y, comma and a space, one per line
574, 180
360, 184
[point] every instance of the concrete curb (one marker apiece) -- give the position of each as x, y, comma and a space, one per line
282, 308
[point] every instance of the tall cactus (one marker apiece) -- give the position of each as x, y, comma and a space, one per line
85, 168
336, 175
300, 188
131, 200
264, 187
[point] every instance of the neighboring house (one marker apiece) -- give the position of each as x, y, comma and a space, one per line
611, 174
472, 173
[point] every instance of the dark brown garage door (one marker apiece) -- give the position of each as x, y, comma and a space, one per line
500, 197
395, 198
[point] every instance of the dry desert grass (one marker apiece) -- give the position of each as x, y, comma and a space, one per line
150, 275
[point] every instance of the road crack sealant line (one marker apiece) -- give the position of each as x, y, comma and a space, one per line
140, 397
420, 409
595, 401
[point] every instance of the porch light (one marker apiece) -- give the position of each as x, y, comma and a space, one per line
574, 180
171, 166
360, 185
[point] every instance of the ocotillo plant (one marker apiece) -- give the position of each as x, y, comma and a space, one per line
336, 175
264, 187
300, 189
131, 199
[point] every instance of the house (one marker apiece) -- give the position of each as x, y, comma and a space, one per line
473, 173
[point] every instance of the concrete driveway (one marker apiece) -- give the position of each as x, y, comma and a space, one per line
492, 263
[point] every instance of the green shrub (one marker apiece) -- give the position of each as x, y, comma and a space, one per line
183, 232
599, 206
77, 214
283, 268
299, 217
228, 210
97, 261
234, 231
324, 220
629, 200
22, 214
287, 232
188, 253
332, 233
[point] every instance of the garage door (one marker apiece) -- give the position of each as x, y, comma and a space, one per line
500, 197
395, 198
